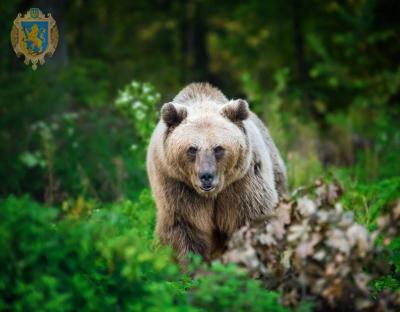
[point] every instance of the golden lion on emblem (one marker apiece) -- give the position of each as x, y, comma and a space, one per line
33, 36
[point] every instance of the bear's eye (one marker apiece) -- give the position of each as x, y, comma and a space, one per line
219, 151
192, 151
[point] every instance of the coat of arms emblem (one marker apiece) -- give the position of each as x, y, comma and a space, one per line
34, 35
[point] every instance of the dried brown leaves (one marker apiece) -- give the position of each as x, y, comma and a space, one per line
312, 249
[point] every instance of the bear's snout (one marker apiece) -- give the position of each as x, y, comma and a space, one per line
206, 168
206, 180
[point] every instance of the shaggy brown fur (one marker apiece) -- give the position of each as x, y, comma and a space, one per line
201, 131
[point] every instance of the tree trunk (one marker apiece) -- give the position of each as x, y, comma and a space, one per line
195, 58
300, 59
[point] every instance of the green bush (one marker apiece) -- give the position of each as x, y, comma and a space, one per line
97, 152
98, 262
368, 200
225, 288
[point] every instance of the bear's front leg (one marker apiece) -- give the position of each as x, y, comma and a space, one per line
183, 236
184, 220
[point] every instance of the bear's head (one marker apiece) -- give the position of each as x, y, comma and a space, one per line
207, 148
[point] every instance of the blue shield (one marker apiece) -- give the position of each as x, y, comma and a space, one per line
36, 36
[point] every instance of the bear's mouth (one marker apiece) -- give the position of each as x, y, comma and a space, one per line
207, 188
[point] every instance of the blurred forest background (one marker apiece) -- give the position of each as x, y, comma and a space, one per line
323, 74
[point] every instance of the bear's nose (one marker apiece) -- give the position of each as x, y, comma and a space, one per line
206, 178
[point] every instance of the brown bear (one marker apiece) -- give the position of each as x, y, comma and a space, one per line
212, 167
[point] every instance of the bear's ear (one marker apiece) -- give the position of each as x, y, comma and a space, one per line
236, 110
173, 114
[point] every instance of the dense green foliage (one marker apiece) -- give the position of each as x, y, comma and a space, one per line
323, 75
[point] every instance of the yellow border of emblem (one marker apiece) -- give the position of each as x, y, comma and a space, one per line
17, 35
